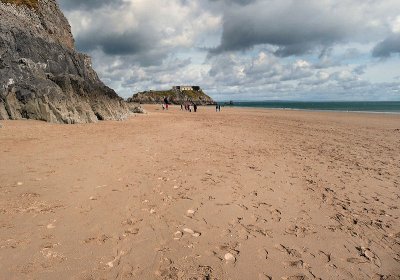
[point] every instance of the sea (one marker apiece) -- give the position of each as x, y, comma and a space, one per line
391, 107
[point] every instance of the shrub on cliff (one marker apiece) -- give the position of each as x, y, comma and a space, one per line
33, 4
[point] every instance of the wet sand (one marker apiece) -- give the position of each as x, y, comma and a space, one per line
240, 194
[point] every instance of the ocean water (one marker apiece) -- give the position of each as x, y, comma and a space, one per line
354, 106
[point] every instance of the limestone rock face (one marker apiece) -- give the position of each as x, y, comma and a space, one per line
42, 77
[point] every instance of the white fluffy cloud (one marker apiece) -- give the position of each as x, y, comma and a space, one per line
243, 49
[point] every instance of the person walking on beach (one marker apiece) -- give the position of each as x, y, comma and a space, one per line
181, 107
166, 102
195, 108
219, 108
216, 108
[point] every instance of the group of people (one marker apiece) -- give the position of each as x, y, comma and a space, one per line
165, 104
188, 107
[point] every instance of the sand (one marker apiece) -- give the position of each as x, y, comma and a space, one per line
240, 194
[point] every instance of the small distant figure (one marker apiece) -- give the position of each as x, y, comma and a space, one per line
166, 102
219, 108
216, 108
181, 107
163, 107
195, 108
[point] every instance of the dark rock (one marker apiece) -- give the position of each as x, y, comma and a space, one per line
42, 77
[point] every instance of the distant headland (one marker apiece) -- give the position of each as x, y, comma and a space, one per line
175, 95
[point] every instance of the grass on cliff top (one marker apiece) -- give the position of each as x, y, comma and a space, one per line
33, 4
167, 93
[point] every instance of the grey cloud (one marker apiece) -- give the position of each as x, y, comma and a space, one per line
387, 47
240, 2
115, 44
140, 45
87, 4
295, 27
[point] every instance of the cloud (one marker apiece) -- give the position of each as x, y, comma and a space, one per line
147, 30
87, 4
300, 27
387, 47
240, 2
243, 49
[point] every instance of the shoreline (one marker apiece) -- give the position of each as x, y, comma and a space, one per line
155, 107
319, 110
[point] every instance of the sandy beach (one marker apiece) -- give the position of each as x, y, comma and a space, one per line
240, 194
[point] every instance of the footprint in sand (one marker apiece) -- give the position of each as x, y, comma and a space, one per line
264, 276
297, 264
289, 251
369, 255
101, 239
262, 253
296, 277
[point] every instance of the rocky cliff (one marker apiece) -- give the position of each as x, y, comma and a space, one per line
42, 76
174, 97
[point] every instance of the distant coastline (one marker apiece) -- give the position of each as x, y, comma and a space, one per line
389, 107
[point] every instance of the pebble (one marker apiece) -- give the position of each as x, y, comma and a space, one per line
152, 211
50, 226
178, 235
188, 230
176, 187
229, 257
92, 198
190, 212
196, 234
20, 184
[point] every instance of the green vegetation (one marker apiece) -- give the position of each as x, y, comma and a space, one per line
192, 94
165, 93
33, 4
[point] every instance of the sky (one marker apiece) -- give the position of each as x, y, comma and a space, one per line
244, 49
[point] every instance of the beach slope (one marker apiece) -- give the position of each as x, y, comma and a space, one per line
240, 194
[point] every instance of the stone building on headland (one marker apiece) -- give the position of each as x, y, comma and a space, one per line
186, 88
